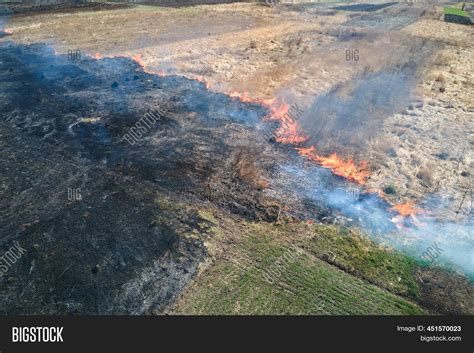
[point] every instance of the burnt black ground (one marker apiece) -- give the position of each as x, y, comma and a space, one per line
28, 7
105, 253
364, 7
381, 16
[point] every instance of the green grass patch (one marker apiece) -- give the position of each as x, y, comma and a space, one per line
263, 273
357, 254
455, 11
455, 15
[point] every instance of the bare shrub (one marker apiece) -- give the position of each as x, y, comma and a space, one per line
434, 13
440, 78
444, 59
388, 146
425, 174
244, 163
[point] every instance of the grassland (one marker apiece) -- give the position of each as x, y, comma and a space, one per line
260, 271
455, 11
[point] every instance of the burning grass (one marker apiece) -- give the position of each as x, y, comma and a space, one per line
289, 132
345, 168
406, 209
188, 165
5, 32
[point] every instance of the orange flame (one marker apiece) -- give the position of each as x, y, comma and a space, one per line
264, 184
309, 152
346, 168
406, 209
201, 79
288, 133
243, 97
339, 166
138, 59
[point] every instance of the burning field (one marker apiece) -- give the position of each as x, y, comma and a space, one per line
238, 158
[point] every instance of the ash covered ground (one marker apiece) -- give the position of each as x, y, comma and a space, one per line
103, 250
